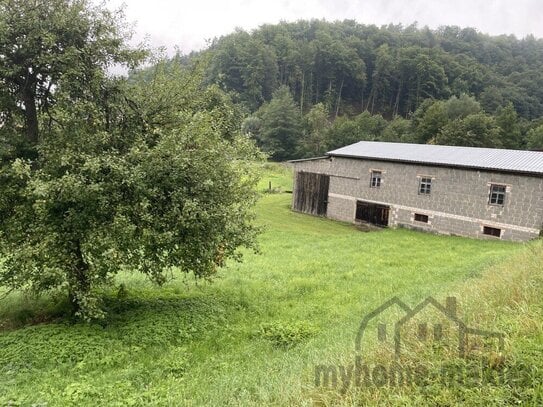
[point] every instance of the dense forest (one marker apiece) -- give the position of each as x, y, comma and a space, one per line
310, 86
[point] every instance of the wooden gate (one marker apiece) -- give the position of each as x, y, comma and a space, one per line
311, 193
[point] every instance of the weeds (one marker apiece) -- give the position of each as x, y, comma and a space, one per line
288, 334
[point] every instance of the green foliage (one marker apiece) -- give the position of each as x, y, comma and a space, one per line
491, 99
316, 125
475, 130
534, 138
250, 66
50, 46
251, 126
280, 125
365, 126
429, 119
433, 115
461, 107
455, 121
177, 193
287, 334
399, 130
389, 70
338, 71
510, 130
147, 176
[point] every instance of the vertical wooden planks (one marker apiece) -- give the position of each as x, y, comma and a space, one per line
311, 193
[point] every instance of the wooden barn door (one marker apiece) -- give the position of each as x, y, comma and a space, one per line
311, 193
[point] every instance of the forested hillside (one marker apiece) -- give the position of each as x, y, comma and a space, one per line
313, 85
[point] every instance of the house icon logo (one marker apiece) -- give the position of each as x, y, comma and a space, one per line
395, 341
414, 325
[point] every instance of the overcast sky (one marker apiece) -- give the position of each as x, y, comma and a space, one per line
188, 24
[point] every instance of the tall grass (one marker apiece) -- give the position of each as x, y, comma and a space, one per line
508, 298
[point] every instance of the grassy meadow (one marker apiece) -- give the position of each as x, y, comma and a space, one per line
253, 336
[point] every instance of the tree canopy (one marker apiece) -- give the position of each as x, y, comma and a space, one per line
140, 176
438, 81
48, 45
389, 70
280, 125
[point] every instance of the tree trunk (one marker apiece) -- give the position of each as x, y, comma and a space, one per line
311, 87
418, 92
31, 117
339, 96
303, 94
80, 280
397, 103
371, 98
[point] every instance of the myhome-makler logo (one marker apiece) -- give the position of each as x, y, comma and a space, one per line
430, 325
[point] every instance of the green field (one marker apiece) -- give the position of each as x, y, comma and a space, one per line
251, 337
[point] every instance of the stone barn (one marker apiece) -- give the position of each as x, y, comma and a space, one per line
465, 191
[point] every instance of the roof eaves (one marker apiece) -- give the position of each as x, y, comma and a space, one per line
309, 159
431, 164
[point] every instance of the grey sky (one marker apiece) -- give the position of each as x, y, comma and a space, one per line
188, 24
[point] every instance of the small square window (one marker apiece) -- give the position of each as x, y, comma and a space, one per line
487, 230
425, 186
497, 195
421, 218
375, 181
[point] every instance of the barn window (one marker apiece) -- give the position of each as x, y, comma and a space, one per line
487, 230
375, 181
425, 186
497, 195
419, 217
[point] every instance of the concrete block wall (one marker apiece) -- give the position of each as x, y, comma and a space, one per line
458, 203
341, 209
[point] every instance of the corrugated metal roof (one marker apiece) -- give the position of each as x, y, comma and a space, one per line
471, 157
